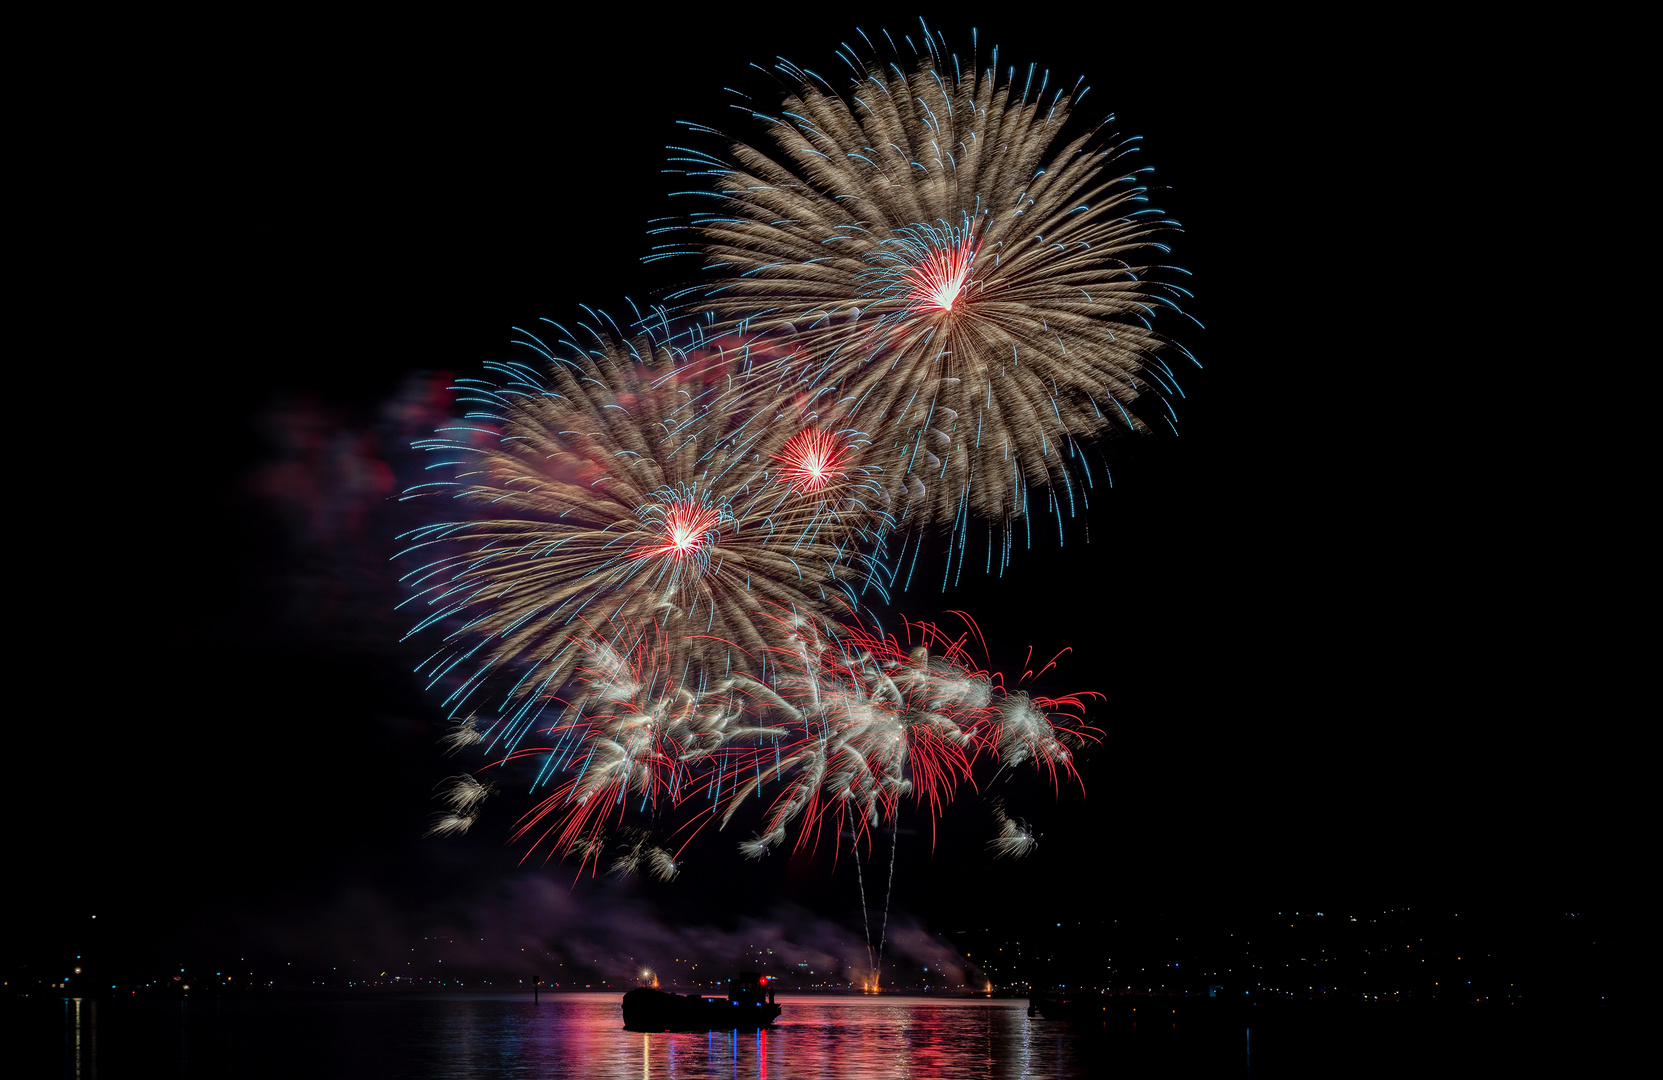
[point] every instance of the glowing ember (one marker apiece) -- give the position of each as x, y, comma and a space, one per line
937, 281
686, 528
811, 458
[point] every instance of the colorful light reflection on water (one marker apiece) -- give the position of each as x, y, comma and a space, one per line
483, 1036
469, 1036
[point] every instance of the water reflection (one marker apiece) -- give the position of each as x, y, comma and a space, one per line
582, 1035
81, 1019
486, 1036
464, 1036
890, 1037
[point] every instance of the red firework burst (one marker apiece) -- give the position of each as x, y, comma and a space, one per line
686, 528
811, 458
938, 281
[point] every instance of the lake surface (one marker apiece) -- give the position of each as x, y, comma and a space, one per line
484, 1036
488, 1036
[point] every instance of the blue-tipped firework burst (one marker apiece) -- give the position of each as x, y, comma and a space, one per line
598, 488
960, 280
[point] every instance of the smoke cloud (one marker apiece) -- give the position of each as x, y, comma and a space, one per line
535, 926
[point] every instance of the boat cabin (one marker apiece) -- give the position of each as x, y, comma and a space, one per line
750, 988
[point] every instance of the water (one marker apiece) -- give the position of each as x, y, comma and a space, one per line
488, 1036
479, 1036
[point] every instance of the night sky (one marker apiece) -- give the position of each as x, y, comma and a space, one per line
1346, 656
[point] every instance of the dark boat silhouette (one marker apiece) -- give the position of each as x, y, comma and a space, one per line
748, 1007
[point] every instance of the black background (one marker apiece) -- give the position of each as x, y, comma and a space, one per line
1346, 623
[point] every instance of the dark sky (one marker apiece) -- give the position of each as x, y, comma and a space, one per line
1338, 667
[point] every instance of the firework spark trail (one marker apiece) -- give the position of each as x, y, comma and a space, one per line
640, 855
835, 469
632, 741
811, 459
602, 487
1015, 839
958, 282
923, 297
1040, 730
462, 794
851, 723
872, 721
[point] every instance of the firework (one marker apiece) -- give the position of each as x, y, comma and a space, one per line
1014, 839
844, 725
836, 467
927, 295
1024, 731
634, 738
871, 721
600, 487
959, 282
811, 459
462, 734
639, 854
462, 794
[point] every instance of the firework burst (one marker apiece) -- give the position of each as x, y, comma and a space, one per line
463, 795
836, 467
1014, 839
633, 739
925, 296
600, 488
868, 721
811, 459
959, 281
868, 725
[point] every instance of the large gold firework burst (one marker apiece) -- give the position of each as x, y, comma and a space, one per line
599, 488
959, 283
